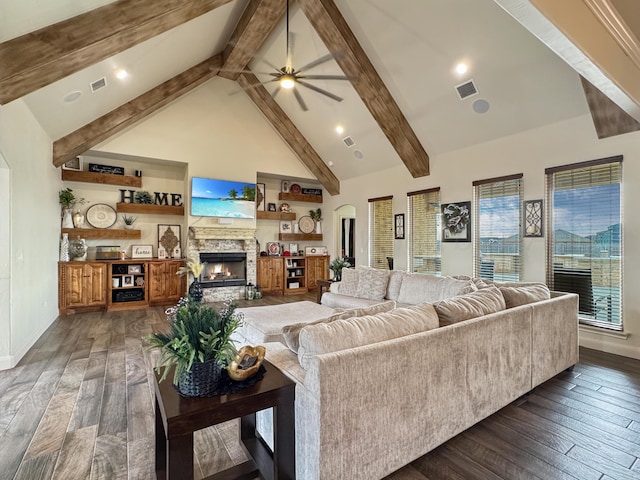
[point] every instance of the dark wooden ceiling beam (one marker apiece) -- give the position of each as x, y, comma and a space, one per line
39, 58
345, 48
126, 115
256, 24
289, 132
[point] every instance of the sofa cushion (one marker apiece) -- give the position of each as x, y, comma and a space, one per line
349, 282
521, 295
291, 333
372, 283
336, 300
471, 305
358, 331
393, 284
419, 287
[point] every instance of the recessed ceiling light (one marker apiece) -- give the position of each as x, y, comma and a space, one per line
339, 129
358, 154
480, 106
122, 74
461, 68
72, 96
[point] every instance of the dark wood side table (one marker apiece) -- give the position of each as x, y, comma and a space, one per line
323, 286
178, 417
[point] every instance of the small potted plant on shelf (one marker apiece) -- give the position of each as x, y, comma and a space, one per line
193, 267
68, 200
198, 343
336, 267
316, 216
128, 221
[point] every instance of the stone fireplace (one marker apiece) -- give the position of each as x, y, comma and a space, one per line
227, 252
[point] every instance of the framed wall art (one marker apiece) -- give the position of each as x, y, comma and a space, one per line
141, 251
74, 164
399, 226
169, 237
127, 281
286, 226
456, 222
533, 226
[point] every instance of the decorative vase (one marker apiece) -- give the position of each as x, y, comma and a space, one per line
67, 218
195, 291
64, 248
202, 380
338, 275
78, 219
128, 226
318, 227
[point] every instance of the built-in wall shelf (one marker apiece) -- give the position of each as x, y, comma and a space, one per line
263, 215
103, 178
150, 209
291, 237
299, 197
100, 233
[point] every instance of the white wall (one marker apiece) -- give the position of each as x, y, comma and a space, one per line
34, 230
5, 265
528, 153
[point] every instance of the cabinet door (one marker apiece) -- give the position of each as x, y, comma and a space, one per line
95, 284
317, 269
71, 285
277, 274
264, 274
174, 283
156, 278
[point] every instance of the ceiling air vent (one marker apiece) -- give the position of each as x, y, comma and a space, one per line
98, 84
466, 89
348, 141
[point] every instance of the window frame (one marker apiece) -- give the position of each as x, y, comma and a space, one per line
387, 224
411, 234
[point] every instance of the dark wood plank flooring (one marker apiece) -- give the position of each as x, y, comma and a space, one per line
80, 406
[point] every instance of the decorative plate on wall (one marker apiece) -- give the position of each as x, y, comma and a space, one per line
295, 188
306, 224
273, 248
101, 215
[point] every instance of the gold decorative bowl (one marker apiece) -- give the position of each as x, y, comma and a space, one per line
235, 369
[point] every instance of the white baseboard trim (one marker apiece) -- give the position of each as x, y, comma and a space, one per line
609, 345
6, 362
10, 361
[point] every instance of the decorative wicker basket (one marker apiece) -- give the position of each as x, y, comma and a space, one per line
201, 381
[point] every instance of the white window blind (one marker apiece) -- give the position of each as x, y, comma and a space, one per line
584, 241
497, 239
423, 227
381, 232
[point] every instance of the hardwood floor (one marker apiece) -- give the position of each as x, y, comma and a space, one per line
80, 406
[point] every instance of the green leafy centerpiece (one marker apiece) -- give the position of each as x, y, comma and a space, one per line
336, 266
198, 344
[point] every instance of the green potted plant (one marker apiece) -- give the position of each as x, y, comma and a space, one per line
68, 200
336, 266
128, 221
193, 267
316, 216
198, 344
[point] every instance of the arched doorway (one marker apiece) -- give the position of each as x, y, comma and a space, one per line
345, 241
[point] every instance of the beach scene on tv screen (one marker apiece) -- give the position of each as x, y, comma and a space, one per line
222, 198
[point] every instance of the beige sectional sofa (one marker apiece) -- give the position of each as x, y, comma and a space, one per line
379, 388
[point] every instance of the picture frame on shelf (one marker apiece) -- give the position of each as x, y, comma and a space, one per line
127, 281
76, 164
169, 237
133, 269
141, 251
289, 263
293, 248
162, 253
271, 207
399, 226
261, 196
286, 226
456, 222
285, 186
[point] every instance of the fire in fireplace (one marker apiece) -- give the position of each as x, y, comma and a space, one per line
223, 269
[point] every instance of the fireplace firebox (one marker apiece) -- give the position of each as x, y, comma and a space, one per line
223, 269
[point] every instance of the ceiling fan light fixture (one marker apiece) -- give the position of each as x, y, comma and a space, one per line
287, 81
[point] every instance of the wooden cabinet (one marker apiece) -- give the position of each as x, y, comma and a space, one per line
271, 275
165, 286
81, 285
317, 269
295, 275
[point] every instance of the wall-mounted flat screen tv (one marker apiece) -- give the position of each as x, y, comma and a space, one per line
222, 198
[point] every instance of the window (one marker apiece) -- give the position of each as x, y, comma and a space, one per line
584, 243
423, 226
497, 247
381, 231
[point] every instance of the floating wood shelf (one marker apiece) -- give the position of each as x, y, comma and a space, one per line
149, 209
299, 197
99, 233
311, 237
275, 215
104, 178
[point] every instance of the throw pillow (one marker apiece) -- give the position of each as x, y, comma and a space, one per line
358, 331
372, 283
516, 296
394, 283
421, 287
349, 282
472, 305
291, 333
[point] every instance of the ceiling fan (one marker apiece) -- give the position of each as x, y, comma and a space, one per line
289, 78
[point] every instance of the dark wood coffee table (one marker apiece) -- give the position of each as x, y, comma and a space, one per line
178, 417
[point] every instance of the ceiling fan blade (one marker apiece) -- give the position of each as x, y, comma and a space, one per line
324, 77
321, 91
303, 105
316, 62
